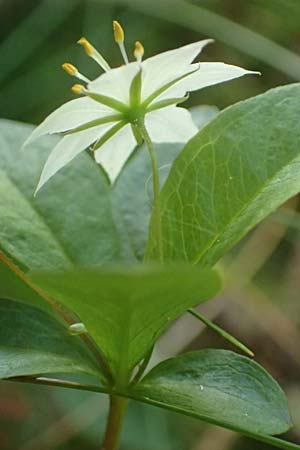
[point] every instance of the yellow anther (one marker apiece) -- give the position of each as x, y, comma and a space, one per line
89, 49
70, 69
119, 38
78, 89
118, 32
139, 51
93, 53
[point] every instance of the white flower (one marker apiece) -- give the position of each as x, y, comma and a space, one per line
108, 115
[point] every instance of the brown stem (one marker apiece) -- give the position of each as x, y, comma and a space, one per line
116, 415
30, 284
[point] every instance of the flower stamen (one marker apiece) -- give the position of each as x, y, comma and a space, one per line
94, 54
139, 51
73, 71
119, 39
78, 89
103, 99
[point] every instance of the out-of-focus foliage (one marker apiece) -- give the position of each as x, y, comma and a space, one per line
36, 37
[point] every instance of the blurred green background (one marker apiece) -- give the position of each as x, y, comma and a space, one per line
262, 309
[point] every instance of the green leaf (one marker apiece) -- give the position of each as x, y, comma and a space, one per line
60, 226
228, 178
33, 343
125, 310
220, 387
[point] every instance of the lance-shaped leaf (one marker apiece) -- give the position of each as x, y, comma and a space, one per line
125, 311
220, 387
234, 173
33, 343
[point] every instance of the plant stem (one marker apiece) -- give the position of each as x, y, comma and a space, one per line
156, 187
116, 415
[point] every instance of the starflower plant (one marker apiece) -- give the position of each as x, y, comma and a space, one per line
130, 104
92, 277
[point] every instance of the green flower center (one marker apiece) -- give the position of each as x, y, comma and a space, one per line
134, 114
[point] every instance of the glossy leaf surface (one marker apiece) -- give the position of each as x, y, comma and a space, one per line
220, 387
228, 178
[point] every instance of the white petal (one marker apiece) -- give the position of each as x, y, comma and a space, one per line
115, 152
209, 74
170, 124
116, 83
162, 68
66, 150
157, 71
68, 116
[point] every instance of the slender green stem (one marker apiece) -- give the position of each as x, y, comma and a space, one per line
156, 188
117, 408
221, 332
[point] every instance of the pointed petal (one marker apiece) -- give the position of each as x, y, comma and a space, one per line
170, 124
157, 71
209, 74
114, 153
69, 116
116, 83
162, 68
66, 150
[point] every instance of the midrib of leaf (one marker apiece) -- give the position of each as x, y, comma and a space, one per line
124, 352
41, 219
279, 443
276, 442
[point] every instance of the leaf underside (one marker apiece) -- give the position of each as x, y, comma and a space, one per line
222, 388
125, 310
219, 386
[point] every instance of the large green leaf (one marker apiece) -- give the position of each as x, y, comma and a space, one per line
235, 172
126, 310
220, 387
33, 343
61, 226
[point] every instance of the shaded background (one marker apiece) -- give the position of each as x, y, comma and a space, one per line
262, 308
